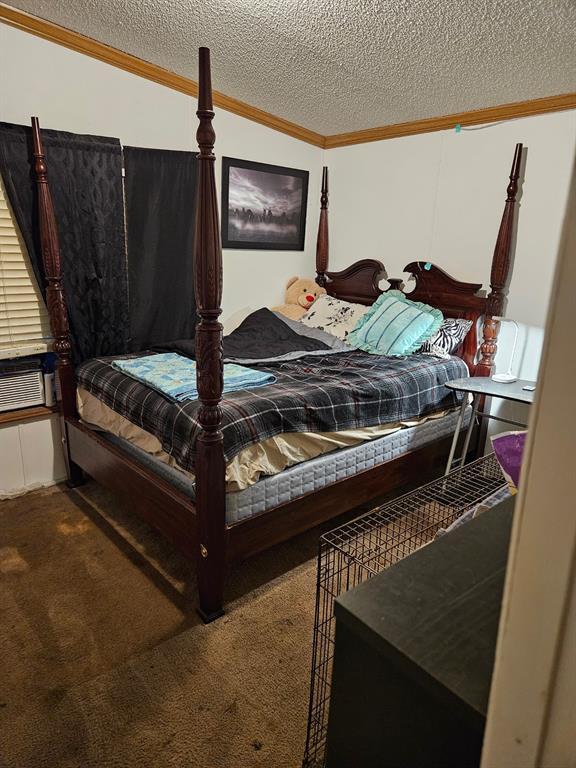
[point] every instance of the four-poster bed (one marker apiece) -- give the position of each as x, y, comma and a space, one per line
198, 524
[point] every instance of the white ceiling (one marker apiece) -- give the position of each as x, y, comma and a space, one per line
344, 65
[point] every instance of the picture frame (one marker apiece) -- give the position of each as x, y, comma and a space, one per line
263, 206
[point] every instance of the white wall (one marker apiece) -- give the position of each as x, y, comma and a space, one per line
70, 91
439, 197
30, 455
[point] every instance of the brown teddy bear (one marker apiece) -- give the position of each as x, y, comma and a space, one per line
301, 293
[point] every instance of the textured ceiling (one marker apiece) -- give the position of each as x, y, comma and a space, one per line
344, 65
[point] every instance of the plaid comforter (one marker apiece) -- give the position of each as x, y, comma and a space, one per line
313, 394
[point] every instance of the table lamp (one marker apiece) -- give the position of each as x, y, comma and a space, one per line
508, 377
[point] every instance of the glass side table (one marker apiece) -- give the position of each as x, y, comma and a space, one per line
483, 386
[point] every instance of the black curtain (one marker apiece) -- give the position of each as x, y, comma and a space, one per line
160, 189
85, 177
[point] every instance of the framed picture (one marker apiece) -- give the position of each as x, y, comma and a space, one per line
263, 206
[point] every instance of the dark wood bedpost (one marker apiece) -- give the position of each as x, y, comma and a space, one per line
500, 274
322, 241
55, 299
210, 464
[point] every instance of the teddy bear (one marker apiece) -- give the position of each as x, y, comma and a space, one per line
301, 293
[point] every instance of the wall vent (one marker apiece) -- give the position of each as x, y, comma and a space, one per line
21, 389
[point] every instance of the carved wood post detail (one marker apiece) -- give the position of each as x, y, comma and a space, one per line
500, 274
322, 240
210, 465
55, 299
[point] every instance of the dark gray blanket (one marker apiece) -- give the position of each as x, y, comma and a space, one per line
263, 337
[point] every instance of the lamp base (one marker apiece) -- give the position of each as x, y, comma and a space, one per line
504, 378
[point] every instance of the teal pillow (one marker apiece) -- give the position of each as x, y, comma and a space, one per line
395, 326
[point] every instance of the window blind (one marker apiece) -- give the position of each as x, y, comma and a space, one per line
24, 324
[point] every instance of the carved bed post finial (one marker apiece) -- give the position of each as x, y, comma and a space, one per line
210, 465
500, 273
55, 299
322, 241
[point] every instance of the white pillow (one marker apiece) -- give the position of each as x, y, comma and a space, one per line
334, 316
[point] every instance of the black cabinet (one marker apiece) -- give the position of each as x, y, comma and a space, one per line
415, 651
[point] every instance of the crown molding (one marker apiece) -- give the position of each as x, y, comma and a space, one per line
90, 47
447, 122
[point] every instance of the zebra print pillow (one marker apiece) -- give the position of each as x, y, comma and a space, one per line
447, 339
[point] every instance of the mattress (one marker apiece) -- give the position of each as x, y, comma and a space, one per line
268, 457
308, 476
335, 393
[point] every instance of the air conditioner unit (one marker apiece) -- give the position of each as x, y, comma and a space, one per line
21, 389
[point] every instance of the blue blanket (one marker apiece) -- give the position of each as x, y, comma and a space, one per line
175, 376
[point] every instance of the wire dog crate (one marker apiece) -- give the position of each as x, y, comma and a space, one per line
360, 549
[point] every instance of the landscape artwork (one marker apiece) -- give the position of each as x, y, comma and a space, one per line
263, 206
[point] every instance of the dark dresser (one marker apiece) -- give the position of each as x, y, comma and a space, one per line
415, 651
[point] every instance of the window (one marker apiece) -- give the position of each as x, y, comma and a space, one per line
24, 324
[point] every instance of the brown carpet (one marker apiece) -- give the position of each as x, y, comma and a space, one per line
103, 662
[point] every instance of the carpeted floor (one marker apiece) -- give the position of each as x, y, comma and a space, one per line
104, 663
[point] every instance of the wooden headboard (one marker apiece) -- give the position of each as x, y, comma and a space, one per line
360, 282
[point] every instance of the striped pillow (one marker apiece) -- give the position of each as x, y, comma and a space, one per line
395, 326
449, 337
